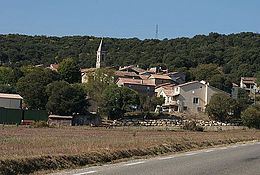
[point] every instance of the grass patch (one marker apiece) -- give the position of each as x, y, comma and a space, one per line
26, 150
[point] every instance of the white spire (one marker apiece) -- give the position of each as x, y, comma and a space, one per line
101, 55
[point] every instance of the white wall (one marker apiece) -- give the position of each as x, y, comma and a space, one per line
10, 103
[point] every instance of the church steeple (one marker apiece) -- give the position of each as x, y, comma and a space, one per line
101, 55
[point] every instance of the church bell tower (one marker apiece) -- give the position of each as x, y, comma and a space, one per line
101, 55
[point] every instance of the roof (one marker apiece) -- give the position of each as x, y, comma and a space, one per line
168, 92
144, 77
135, 81
166, 86
54, 66
188, 83
125, 73
60, 117
87, 70
248, 80
134, 68
158, 76
11, 96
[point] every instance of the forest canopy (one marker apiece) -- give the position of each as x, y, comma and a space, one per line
235, 55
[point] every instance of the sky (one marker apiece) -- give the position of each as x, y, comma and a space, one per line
129, 18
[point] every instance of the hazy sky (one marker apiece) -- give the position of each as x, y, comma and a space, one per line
129, 18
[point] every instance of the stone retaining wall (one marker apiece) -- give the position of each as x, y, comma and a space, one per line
169, 123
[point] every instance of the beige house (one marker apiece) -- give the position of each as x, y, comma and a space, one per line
158, 79
12, 101
188, 97
146, 87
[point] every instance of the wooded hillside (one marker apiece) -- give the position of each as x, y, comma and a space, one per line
236, 55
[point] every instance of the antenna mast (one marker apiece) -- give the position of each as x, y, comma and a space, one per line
156, 31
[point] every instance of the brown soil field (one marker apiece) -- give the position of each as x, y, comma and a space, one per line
22, 142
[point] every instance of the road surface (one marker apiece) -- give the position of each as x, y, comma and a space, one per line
239, 159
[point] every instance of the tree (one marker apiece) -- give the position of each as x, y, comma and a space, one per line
258, 79
220, 81
32, 87
150, 103
66, 99
251, 117
221, 107
5, 73
69, 71
7, 89
118, 100
97, 83
205, 71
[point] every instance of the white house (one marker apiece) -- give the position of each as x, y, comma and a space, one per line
191, 97
12, 101
249, 84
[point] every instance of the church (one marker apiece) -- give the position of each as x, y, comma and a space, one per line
100, 62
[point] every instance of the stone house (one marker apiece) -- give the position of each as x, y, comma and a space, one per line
146, 87
158, 79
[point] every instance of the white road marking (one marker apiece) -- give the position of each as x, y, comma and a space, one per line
166, 158
88, 172
134, 163
208, 151
234, 146
223, 148
190, 154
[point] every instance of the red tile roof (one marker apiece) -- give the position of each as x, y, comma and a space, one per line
135, 81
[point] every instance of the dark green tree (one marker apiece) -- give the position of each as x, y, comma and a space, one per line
205, 72
7, 89
221, 107
32, 87
66, 99
251, 117
118, 100
70, 71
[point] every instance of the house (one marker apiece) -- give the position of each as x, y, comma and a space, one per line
132, 68
249, 84
12, 101
177, 77
126, 74
158, 79
54, 67
60, 120
145, 87
85, 74
188, 97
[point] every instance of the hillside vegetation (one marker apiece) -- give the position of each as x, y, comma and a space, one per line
236, 55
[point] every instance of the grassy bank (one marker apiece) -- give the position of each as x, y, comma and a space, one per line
26, 150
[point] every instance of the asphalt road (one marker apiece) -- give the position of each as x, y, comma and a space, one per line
240, 159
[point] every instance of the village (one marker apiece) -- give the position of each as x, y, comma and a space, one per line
178, 98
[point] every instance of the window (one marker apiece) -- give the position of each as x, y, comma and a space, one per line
185, 108
195, 100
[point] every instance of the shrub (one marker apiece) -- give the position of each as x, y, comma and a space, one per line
40, 124
251, 117
191, 126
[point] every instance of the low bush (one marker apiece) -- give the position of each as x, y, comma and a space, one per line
40, 124
191, 126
